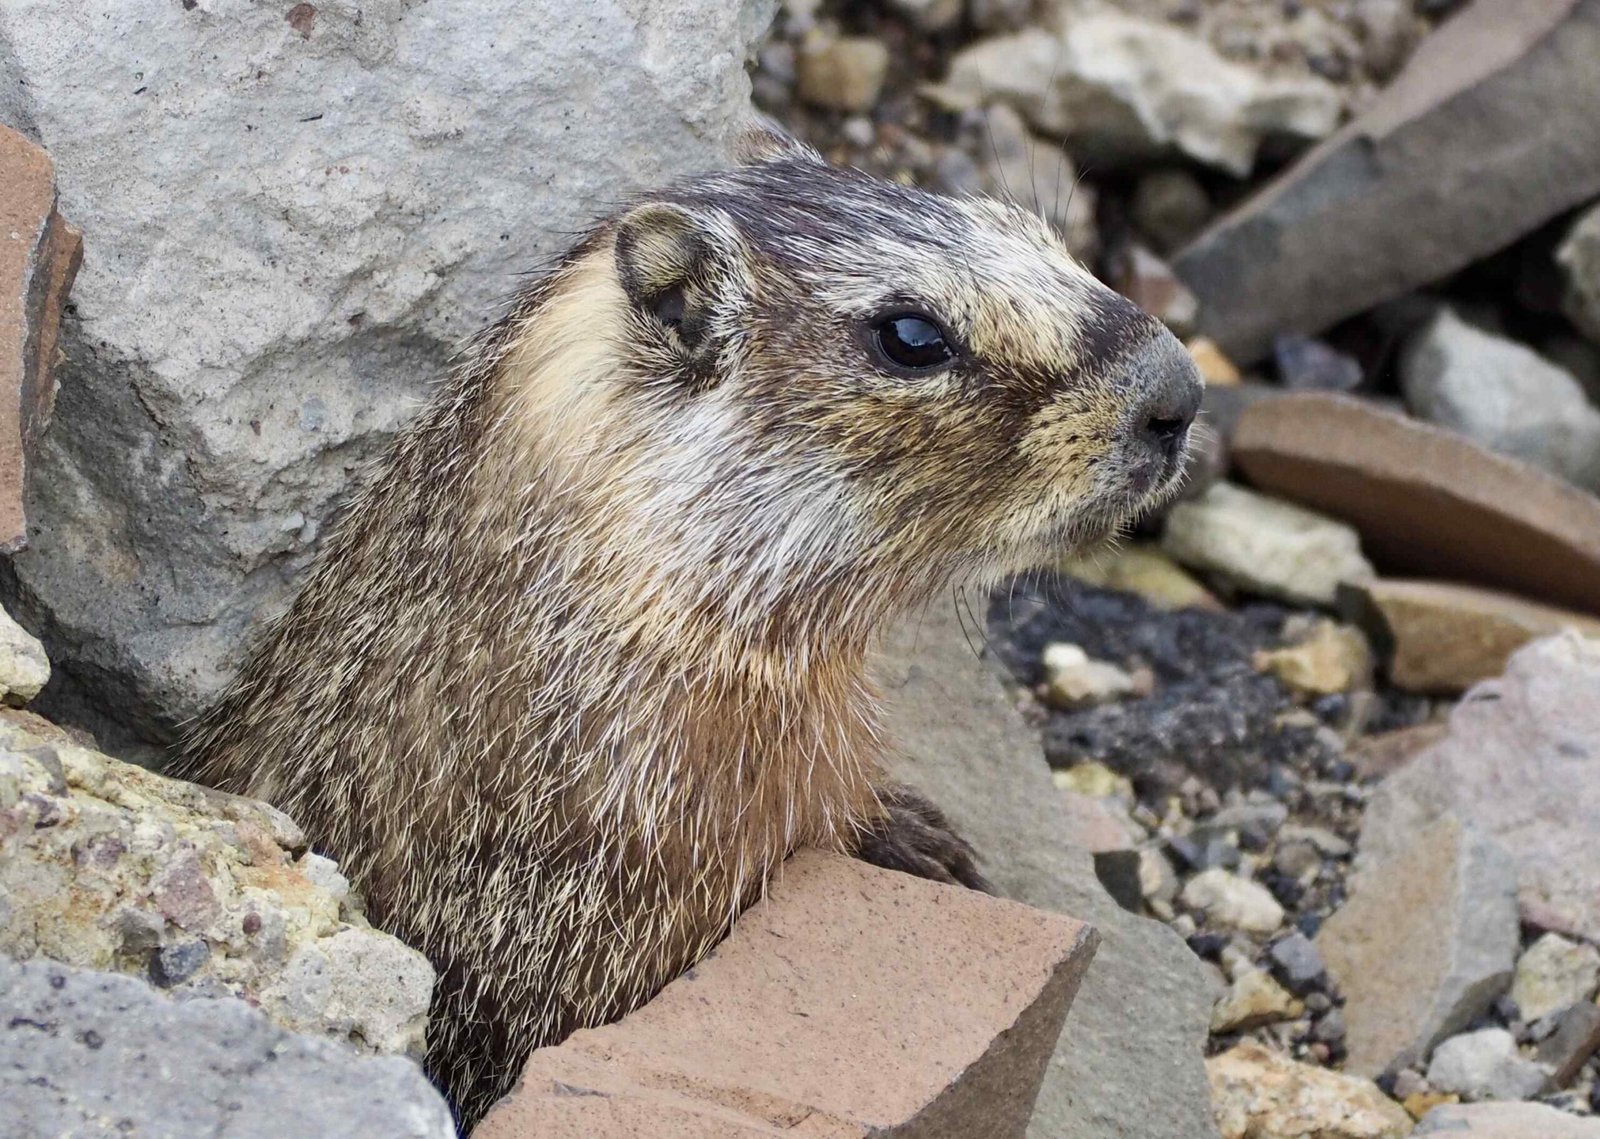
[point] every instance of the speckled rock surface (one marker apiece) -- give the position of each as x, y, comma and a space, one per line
1263, 1095
107, 866
84, 1054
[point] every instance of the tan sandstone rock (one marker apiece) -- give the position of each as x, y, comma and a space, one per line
108, 866
853, 1001
1259, 1094
1427, 502
39, 256
1447, 637
1425, 944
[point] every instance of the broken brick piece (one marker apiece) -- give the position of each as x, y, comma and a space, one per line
853, 1001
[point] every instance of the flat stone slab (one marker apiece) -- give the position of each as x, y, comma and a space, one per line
87, 1053
1443, 637
1425, 944
1438, 171
1522, 763
1427, 502
1130, 1064
39, 257
1505, 1121
852, 1001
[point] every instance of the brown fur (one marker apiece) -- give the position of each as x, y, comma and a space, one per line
587, 657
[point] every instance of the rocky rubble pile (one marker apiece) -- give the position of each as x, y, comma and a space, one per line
1329, 716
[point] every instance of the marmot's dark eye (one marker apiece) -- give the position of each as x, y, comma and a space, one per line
912, 341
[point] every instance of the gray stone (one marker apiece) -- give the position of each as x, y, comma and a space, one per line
1576, 1038
1579, 258
1424, 945
86, 1053
1265, 545
105, 865
1120, 87
1485, 1065
1438, 171
1506, 1121
1296, 962
293, 230
1036, 174
1169, 207
1145, 1005
1503, 394
1520, 748
1307, 364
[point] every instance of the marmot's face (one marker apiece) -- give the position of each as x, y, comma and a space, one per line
907, 377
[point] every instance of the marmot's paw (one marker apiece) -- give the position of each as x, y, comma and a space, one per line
914, 837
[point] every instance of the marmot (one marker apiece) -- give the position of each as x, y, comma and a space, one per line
587, 658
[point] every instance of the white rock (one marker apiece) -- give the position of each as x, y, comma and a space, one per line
1229, 900
1579, 258
1553, 974
1503, 394
1505, 1121
1036, 174
1265, 545
1120, 86
1485, 1065
1072, 680
289, 236
24, 668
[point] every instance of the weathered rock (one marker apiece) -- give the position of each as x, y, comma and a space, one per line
1443, 638
104, 865
264, 303
1150, 283
1506, 1121
1576, 1038
1307, 364
930, 15
1262, 1095
1438, 171
1072, 680
1520, 748
39, 256
1375, 757
1553, 974
24, 668
1215, 368
1330, 658
844, 74
1252, 1000
1169, 207
1579, 258
1503, 394
1144, 570
1485, 1065
1297, 962
1118, 87
87, 1053
862, 1001
1428, 502
1425, 944
1233, 902
1265, 545
1146, 1003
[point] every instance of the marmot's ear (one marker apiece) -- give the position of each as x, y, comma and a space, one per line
763, 140
676, 263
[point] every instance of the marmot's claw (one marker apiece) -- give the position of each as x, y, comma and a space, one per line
913, 836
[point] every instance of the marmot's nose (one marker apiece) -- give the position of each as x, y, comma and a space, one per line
1171, 387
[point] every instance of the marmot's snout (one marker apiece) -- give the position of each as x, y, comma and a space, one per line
1170, 390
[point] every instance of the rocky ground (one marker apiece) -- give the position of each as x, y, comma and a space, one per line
1320, 735
1254, 709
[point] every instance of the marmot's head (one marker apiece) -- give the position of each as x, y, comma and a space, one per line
810, 372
